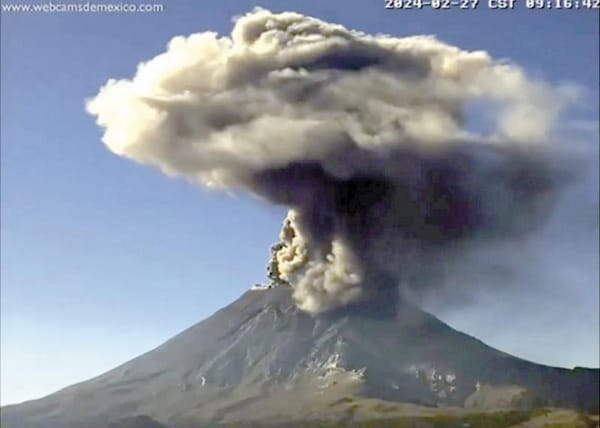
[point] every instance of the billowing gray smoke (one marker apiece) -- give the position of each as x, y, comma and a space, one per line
362, 136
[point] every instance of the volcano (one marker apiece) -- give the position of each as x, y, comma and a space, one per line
261, 360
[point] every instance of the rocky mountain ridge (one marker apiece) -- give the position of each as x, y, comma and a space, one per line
262, 359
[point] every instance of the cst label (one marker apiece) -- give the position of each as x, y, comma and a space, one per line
501, 4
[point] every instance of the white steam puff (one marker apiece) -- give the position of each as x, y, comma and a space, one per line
323, 278
363, 136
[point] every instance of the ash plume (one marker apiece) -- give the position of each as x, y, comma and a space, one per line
363, 137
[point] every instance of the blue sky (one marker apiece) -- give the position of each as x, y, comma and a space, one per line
103, 259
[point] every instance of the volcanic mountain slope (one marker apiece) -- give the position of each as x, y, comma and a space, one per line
261, 359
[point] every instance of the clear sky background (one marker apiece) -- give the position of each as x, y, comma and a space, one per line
103, 259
